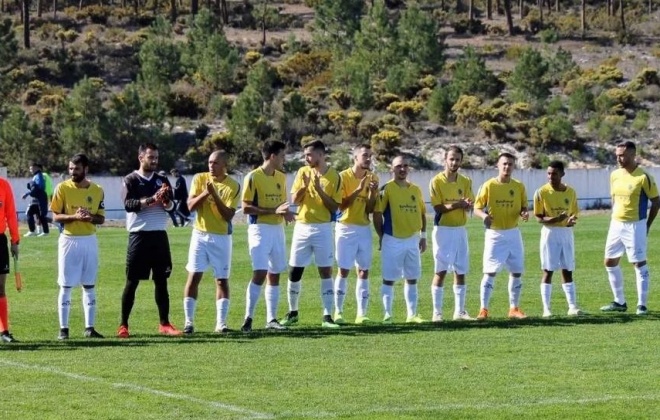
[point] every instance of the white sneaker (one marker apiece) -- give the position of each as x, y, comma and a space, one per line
437, 317
547, 313
222, 329
30, 234
575, 312
43, 234
462, 316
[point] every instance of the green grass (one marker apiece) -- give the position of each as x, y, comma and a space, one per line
598, 366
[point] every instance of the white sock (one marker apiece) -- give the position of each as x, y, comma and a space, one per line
615, 276
189, 305
293, 294
64, 306
546, 294
272, 295
437, 295
569, 290
515, 287
340, 292
410, 293
642, 276
362, 296
221, 310
327, 296
486, 289
459, 298
387, 293
89, 306
251, 298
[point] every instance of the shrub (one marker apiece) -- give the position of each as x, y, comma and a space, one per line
385, 144
647, 76
556, 130
641, 121
494, 130
302, 67
408, 110
440, 104
66, 36
467, 110
614, 101
342, 98
580, 103
252, 57
549, 36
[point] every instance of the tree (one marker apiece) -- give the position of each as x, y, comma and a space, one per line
267, 18
335, 24
159, 56
375, 44
509, 17
26, 24
18, 141
472, 77
8, 55
528, 81
81, 124
417, 35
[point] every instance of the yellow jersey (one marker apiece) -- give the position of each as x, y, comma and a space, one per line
504, 202
208, 217
312, 209
403, 209
67, 198
550, 202
268, 191
631, 192
356, 213
445, 192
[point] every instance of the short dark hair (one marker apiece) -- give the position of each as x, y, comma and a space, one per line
557, 164
317, 145
80, 159
271, 147
628, 145
174, 171
455, 149
145, 146
38, 165
506, 155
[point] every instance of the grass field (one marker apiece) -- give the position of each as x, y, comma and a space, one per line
597, 366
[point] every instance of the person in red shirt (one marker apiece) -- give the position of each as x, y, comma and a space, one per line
8, 219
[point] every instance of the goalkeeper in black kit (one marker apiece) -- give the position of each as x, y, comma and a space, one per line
147, 198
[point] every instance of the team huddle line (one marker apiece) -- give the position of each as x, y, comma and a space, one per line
349, 202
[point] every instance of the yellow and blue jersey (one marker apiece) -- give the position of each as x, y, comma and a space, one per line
356, 213
403, 209
444, 192
312, 209
503, 201
263, 190
209, 219
67, 198
631, 192
550, 202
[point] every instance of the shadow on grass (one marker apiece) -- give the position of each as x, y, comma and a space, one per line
312, 332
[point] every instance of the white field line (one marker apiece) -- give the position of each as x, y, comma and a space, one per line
477, 406
249, 414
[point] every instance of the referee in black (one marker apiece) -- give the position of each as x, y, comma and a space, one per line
147, 198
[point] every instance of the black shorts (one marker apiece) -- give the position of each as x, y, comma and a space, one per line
4, 255
148, 253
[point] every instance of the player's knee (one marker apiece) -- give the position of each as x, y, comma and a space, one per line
295, 274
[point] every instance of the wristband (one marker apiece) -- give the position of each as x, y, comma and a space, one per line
422, 235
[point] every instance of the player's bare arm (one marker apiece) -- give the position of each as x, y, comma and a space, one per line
378, 227
349, 199
226, 212
328, 201
653, 212
371, 198
487, 218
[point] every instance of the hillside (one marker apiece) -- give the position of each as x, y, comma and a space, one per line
403, 76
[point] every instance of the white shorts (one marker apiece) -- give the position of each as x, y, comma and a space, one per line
503, 247
353, 246
629, 237
557, 248
210, 249
77, 260
401, 258
312, 238
450, 249
267, 247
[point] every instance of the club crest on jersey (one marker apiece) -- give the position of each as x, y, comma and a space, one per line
460, 191
511, 193
89, 199
412, 197
566, 200
279, 187
630, 187
159, 182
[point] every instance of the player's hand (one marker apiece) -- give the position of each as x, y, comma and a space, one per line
571, 221
282, 209
363, 182
524, 215
14, 250
422, 245
488, 220
317, 182
305, 178
24, 196
83, 215
163, 195
210, 189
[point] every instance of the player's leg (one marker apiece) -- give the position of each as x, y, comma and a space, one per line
276, 265
43, 217
363, 260
220, 252
346, 248
412, 270
493, 259
30, 215
516, 264
461, 265
161, 266
440, 270
323, 249
301, 257
198, 261
614, 249
5, 335
392, 257
221, 304
260, 242
637, 255
136, 269
70, 263
88, 247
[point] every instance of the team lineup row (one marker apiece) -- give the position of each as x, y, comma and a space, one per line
354, 200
